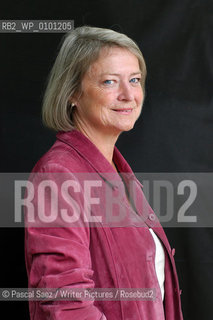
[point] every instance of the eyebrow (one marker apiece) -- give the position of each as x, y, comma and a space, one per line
117, 74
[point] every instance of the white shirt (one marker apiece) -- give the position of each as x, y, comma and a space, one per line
159, 262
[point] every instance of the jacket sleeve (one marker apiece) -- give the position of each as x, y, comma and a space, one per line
57, 253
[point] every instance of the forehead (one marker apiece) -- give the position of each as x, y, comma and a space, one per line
114, 60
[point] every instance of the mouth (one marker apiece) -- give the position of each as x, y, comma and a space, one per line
123, 110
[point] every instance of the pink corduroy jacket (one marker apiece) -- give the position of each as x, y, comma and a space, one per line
102, 253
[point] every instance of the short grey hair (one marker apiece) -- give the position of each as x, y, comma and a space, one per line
80, 48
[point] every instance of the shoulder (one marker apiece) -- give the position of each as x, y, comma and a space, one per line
61, 158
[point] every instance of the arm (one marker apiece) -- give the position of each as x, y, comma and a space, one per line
58, 256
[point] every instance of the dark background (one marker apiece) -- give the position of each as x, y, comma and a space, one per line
174, 133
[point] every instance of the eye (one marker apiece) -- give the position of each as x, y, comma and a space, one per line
135, 80
108, 81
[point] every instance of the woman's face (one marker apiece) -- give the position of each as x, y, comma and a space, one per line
112, 96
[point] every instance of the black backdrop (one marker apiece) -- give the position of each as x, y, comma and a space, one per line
174, 133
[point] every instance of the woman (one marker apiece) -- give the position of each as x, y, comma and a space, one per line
95, 92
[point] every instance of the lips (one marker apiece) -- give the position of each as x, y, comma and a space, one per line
123, 110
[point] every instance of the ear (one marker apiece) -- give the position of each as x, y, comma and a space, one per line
72, 102
74, 98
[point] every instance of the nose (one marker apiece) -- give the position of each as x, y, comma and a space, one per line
125, 92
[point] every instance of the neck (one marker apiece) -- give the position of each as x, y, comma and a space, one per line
104, 142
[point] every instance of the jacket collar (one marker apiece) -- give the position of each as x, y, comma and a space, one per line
78, 141
96, 159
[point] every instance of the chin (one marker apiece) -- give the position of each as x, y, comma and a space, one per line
127, 127
118, 129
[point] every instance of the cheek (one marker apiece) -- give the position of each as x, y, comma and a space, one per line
140, 95
105, 98
98, 97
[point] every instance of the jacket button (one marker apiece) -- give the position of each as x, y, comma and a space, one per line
173, 252
152, 216
180, 292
